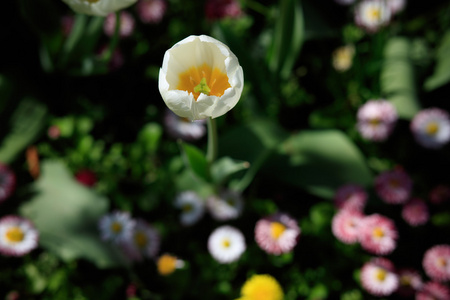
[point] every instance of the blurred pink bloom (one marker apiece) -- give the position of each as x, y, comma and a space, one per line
126, 26
378, 277
182, 128
151, 11
440, 194
219, 9
436, 262
396, 6
431, 128
415, 212
350, 196
54, 132
378, 234
433, 291
372, 14
18, 236
410, 282
345, 225
7, 182
376, 120
117, 60
67, 24
277, 233
86, 177
394, 186
144, 241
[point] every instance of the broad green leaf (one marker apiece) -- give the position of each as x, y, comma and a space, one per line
25, 125
66, 214
441, 73
195, 159
320, 162
397, 77
226, 166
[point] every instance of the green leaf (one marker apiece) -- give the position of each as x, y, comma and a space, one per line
25, 125
195, 160
319, 161
150, 136
441, 74
397, 77
225, 167
66, 214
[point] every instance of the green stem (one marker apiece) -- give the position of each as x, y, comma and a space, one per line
114, 40
211, 153
241, 185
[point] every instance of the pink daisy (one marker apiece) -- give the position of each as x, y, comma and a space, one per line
378, 277
345, 225
415, 212
277, 233
394, 186
151, 11
378, 234
433, 291
126, 26
350, 196
143, 242
410, 282
219, 9
376, 120
7, 182
18, 236
436, 262
372, 14
431, 128
440, 194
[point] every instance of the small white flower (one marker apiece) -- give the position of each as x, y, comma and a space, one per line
18, 236
143, 242
226, 244
182, 128
192, 205
431, 128
343, 57
200, 78
116, 226
372, 14
98, 7
226, 206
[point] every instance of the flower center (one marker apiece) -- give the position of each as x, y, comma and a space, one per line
226, 243
187, 208
374, 14
276, 229
167, 264
14, 234
432, 128
203, 80
374, 122
378, 232
380, 275
405, 280
442, 262
116, 227
140, 239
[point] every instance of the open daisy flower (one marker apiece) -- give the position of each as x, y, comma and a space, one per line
226, 244
192, 206
394, 186
436, 262
167, 264
350, 196
415, 212
200, 78
372, 14
182, 128
261, 287
277, 233
378, 234
18, 236
431, 128
433, 291
226, 206
116, 226
7, 182
378, 277
98, 7
345, 225
376, 120
143, 242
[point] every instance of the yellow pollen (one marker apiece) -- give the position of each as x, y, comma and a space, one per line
226, 243
14, 234
276, 229
378, 232
374, 14
432, 128
204, 80
394, 183
116, 227
166, 264
381, 275
374, 122
140, 239
187, 208
442, 262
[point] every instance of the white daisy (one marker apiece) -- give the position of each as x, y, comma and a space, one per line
18, 236
192, 206
116, 226
143, 242
372, 14
431, 128
226, 244
226, 206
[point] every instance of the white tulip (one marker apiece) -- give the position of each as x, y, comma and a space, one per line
98, 7
200, 78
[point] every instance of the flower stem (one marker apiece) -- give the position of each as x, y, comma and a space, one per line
114, 40
211, 153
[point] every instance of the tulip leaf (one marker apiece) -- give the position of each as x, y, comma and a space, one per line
441, 73
66, 215
225, 167
195, 160
397, 77
319, 161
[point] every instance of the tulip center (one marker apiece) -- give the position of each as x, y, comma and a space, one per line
276, 229
203, 80
14, 234
432, 128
